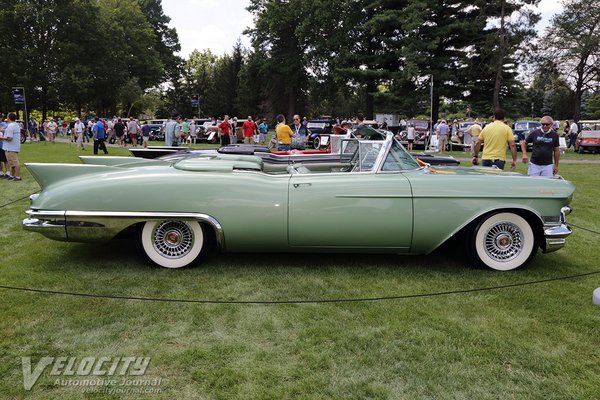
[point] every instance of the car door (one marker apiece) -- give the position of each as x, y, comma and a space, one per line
359, 210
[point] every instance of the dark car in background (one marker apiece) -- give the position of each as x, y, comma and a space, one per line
522, 128
24, 133
421, 133
157, 128
320, 129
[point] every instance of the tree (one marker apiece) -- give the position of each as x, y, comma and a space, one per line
574, 38
593, 107
166, 40
252, 94
200, 69
496, 53
276, 23
45, 38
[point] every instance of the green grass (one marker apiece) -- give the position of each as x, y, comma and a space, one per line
539, 341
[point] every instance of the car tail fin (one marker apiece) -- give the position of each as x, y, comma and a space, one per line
47, 174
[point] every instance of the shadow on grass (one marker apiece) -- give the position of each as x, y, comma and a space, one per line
117, 268
120, 253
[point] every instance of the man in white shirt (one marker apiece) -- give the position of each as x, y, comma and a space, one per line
79, 130
410, 136
52, 127
573, 131
132, 131
12, 146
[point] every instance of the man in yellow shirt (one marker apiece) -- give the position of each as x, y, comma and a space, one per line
495, 137
284, 134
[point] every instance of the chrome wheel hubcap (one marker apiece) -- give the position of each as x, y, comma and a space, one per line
173, 239
504, 241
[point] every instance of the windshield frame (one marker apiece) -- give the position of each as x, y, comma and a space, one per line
390, 146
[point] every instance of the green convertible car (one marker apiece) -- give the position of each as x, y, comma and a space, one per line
380, 200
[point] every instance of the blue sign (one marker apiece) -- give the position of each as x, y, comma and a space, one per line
19, 95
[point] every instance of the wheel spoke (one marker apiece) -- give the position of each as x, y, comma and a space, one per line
504, 241
173, 239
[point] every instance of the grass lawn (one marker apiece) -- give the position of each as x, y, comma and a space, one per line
538, 341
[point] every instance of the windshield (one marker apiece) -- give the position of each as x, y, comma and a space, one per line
422, 125
590, 134
369, 155
590, 126
398, 159
318, 125
523, 126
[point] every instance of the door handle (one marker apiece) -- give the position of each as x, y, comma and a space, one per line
297, 185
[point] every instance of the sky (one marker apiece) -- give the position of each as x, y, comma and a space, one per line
218, 24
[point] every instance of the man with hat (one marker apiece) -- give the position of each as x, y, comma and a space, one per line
52, 127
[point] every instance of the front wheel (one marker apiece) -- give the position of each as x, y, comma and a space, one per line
172, 243
503, 241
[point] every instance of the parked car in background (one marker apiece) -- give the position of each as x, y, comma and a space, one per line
372, 123
379, 201
201, 128
421, 133
320, 129
588, 138
522, 128
24, 133
157, 128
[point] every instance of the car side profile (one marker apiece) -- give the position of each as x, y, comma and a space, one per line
378, 201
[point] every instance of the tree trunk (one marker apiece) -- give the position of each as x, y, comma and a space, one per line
578, 91
291, 107
44, 103
498, 83
435, 111
371, 87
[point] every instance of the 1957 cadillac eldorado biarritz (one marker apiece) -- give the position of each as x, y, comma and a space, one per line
378, 200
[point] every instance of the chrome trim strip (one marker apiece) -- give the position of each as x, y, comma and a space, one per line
92, 226
47, 214
382, 156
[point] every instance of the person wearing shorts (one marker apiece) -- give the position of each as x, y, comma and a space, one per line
146, 133
12, 145
132, 131
3, 170
410, 136
119, 129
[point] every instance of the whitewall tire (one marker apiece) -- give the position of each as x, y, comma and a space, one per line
172, 243
503, 241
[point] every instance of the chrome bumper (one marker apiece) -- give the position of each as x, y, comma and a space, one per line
102, 226
556, 235
50, 224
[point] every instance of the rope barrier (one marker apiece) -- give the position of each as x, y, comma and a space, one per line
279, 302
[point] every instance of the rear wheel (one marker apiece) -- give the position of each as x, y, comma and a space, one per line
503, 241
172, 243
581, 150
317, 142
